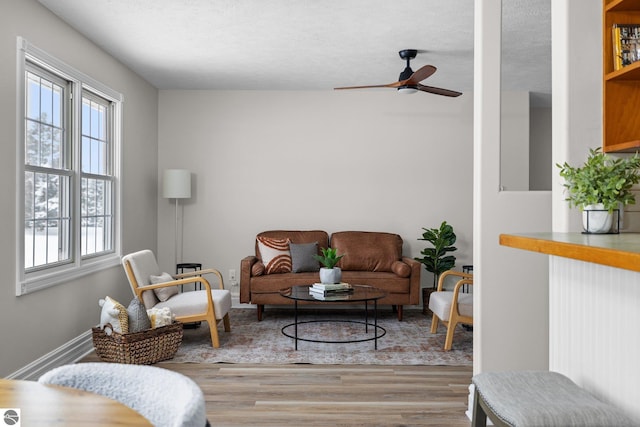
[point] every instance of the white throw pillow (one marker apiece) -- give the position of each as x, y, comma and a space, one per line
164, 294
114, 313
160, 316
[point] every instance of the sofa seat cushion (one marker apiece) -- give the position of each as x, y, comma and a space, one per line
366, 250
382, 280
270, 283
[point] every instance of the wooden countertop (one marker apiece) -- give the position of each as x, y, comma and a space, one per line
614, 250
49, 405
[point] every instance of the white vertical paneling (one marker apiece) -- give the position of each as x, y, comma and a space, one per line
594, 339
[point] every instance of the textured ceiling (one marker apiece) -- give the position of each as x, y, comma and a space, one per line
307, 44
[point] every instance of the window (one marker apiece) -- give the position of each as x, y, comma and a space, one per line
69, 143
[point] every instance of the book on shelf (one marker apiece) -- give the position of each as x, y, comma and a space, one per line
626, 44
331, 286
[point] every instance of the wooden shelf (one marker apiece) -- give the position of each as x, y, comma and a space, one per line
620, 88
621, 5
630, 72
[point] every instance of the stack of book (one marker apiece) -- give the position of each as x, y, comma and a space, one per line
626, 44
330, 291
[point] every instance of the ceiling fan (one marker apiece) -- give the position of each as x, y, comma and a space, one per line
409, 81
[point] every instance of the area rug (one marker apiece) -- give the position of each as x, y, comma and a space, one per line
405, 343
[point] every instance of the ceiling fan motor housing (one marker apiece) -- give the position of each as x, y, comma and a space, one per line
404, 75
408, 55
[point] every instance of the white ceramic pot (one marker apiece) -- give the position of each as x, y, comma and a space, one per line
330, 275
596, 219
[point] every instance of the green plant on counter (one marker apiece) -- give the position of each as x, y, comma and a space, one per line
601, 179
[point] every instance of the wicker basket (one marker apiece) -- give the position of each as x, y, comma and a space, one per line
138, 348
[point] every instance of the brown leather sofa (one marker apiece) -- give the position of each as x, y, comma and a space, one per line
370, 258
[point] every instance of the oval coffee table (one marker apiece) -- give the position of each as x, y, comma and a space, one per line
361, 294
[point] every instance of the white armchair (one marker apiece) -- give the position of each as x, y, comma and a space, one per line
451, 307
210, 305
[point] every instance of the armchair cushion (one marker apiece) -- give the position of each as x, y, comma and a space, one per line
302, 257
187, 303
144, 265
163, 294
275, 255
440, 304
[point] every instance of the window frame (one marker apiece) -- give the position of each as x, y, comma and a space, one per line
79, 265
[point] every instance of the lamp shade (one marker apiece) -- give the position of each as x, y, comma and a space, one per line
176, 184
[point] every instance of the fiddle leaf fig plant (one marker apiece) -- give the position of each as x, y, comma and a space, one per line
435, 259
601, 179
329, 257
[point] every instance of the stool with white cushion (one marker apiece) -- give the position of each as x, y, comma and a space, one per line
165, 398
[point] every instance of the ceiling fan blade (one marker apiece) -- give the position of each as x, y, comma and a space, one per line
366, 87
420, 75
438, 91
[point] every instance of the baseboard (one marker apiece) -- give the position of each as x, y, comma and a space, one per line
67, 353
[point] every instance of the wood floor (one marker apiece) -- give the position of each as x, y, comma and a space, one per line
330, 395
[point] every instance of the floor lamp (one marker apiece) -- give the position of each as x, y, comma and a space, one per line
176, 184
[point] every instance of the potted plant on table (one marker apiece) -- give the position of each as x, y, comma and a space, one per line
329, 258
599, 187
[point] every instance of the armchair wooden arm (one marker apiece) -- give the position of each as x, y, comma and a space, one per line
452, 273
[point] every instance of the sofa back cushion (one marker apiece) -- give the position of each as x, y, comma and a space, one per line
366, 250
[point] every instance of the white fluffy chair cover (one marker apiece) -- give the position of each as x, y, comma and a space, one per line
164, 397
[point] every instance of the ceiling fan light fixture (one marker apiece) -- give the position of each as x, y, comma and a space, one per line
407, 90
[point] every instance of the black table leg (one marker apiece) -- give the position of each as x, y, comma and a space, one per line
296, 323
375, 322
366, 317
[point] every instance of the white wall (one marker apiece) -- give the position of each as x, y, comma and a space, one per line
593, 313
541, 168
510, 286
514, 141
35, 324
593, 308
366, 160
577, 94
